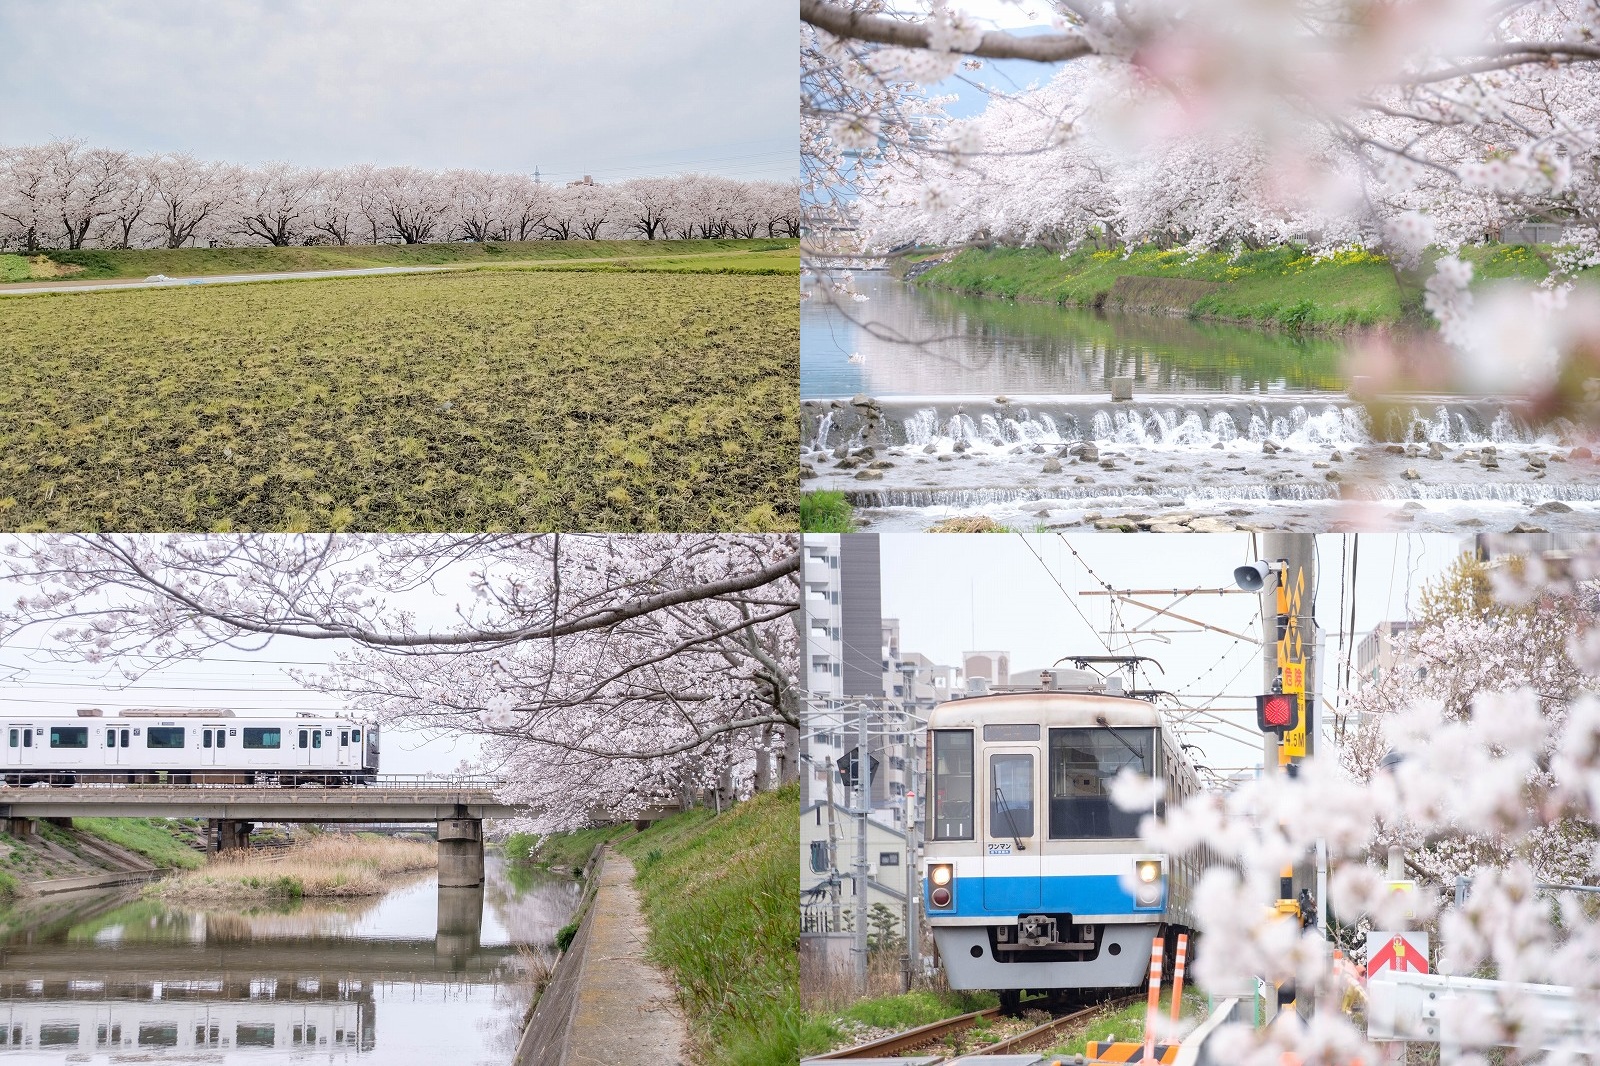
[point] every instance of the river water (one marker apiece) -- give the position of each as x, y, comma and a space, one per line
421, 976
922, 405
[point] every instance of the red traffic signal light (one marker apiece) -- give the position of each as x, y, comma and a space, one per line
1278, 712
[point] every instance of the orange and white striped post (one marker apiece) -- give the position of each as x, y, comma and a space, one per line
1177, 978
1157, 951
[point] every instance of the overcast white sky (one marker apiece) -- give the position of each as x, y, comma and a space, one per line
986, 592
571, 86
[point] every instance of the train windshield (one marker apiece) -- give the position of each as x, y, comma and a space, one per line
952, 784
1011, 803
1082, 764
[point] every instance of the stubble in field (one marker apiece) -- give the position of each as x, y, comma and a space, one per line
625, 401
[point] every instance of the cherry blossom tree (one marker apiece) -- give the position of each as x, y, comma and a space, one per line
605, 673
188, 193
278, 203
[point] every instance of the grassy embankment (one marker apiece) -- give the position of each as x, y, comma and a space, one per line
55, 852
1278, 286
98, 264
560, 851
826, 511
482, 401
719, 894
334, 865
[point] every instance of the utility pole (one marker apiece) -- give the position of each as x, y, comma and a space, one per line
913, 898
864, 794
833, 851
1289, 665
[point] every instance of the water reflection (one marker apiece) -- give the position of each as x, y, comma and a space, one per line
437, 967
986, 347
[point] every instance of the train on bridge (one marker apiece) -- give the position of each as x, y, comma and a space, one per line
189, 747
1034, 880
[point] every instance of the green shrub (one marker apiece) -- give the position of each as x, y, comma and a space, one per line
565, 934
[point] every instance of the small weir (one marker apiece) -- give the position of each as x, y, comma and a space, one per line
1306, 423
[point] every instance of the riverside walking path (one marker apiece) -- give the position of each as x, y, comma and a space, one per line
606, 1003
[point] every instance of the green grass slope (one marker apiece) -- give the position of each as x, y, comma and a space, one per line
720, 894
162, 841
102, 263
1277, 286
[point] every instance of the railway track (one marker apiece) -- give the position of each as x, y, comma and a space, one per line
912, 1039
923, 1036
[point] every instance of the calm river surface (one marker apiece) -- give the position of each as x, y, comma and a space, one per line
418, 976
976, 346
921, 405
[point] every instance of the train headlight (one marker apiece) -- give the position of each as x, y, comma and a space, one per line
1148, 887
942, 895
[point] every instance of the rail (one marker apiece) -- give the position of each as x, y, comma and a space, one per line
911, 1039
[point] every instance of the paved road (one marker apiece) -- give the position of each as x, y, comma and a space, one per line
216, 279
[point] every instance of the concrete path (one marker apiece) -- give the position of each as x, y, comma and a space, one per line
625, 1010
216, 279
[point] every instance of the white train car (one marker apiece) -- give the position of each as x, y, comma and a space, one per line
1033, 879
188, 747
195, 1031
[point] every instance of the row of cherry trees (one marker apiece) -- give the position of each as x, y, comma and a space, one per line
67, 195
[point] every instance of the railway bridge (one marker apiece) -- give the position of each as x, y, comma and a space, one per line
457, 806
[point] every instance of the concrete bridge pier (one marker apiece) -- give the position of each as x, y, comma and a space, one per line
460, 852
229, 834
460, 929
21, 828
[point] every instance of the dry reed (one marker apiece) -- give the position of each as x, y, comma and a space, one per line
333, 865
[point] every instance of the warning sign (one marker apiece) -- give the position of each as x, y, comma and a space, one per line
1397, 951
1294, 677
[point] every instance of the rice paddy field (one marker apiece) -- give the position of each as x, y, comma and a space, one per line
612, 399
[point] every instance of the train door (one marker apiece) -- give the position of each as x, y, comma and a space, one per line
303, 735
1012, 864
116, 739
209, 735
18, 734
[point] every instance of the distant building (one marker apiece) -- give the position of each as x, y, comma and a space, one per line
886, 868
993, 666
1376, 655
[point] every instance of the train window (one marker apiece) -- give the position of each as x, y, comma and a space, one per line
14, 738
263, 738
124, 738
27, 738
1082, 764
164, 736
344, 738
205, 738
303, 742
222, 738
952, 784
355, 736
1011, 796
69, 736
111, 738
316, 738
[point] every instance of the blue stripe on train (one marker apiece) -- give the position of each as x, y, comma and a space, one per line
1007, 897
